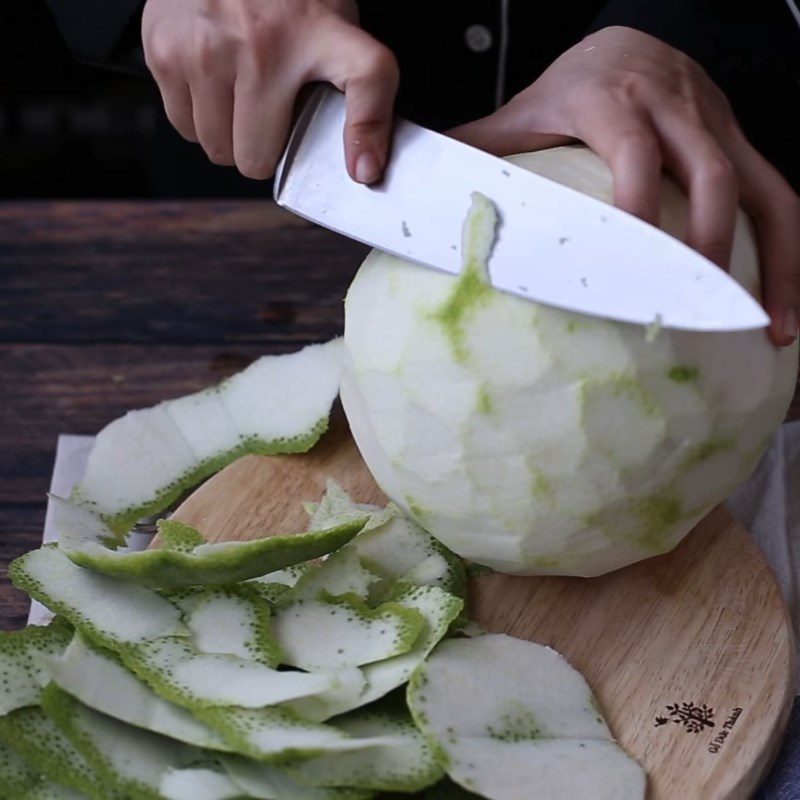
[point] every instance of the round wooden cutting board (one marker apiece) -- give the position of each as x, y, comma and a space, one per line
690, 654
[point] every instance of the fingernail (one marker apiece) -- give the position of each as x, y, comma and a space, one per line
367, 168
789, 324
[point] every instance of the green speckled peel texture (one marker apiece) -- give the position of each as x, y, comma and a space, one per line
193, 562
142, 462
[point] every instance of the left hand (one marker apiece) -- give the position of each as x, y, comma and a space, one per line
643, 106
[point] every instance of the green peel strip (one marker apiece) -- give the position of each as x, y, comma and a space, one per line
22, 674
82, 535
49, 751
129, 758
97, 605
143, 461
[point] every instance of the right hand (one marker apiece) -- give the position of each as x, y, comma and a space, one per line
644, 106
229, 72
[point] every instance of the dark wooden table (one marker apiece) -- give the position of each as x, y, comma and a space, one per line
108, 306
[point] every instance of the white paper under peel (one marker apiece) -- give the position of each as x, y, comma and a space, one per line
72, 453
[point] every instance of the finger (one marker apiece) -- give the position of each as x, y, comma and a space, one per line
178, 107
161, 60
505, 133
775, 210
367, 73
626, 141
262, 115
212, 111
708, 176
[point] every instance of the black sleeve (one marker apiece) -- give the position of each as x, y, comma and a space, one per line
98, 31
750, 50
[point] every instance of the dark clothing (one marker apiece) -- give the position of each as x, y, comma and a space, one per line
450, 53
95, 29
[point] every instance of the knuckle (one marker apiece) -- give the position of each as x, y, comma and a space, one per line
205, 50
377, 61
717, 168
261, 30
640, 140
686, 67
356, 131
724, 104
684, 90
260, 41
630, 87
687, 103
160, 52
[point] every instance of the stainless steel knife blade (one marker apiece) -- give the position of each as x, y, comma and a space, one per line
554, 245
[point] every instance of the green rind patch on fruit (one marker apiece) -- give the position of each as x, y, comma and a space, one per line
621, 385
130, 759
708, 449
99, 606
418, 511
543, 487
22, 673
484, 404
683, 374
472, 288
657, 516
47, 749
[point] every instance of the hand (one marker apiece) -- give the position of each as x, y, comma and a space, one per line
643, 106
229, 72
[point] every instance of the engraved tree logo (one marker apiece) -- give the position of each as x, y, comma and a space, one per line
693, 718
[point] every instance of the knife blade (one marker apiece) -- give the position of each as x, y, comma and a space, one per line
554, 245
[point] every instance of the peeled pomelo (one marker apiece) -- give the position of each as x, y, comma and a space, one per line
539, 441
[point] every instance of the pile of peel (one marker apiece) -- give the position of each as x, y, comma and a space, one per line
337, 663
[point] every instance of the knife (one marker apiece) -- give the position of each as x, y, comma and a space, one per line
554, 245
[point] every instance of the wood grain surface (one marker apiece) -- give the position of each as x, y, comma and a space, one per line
701, 628
107, 306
